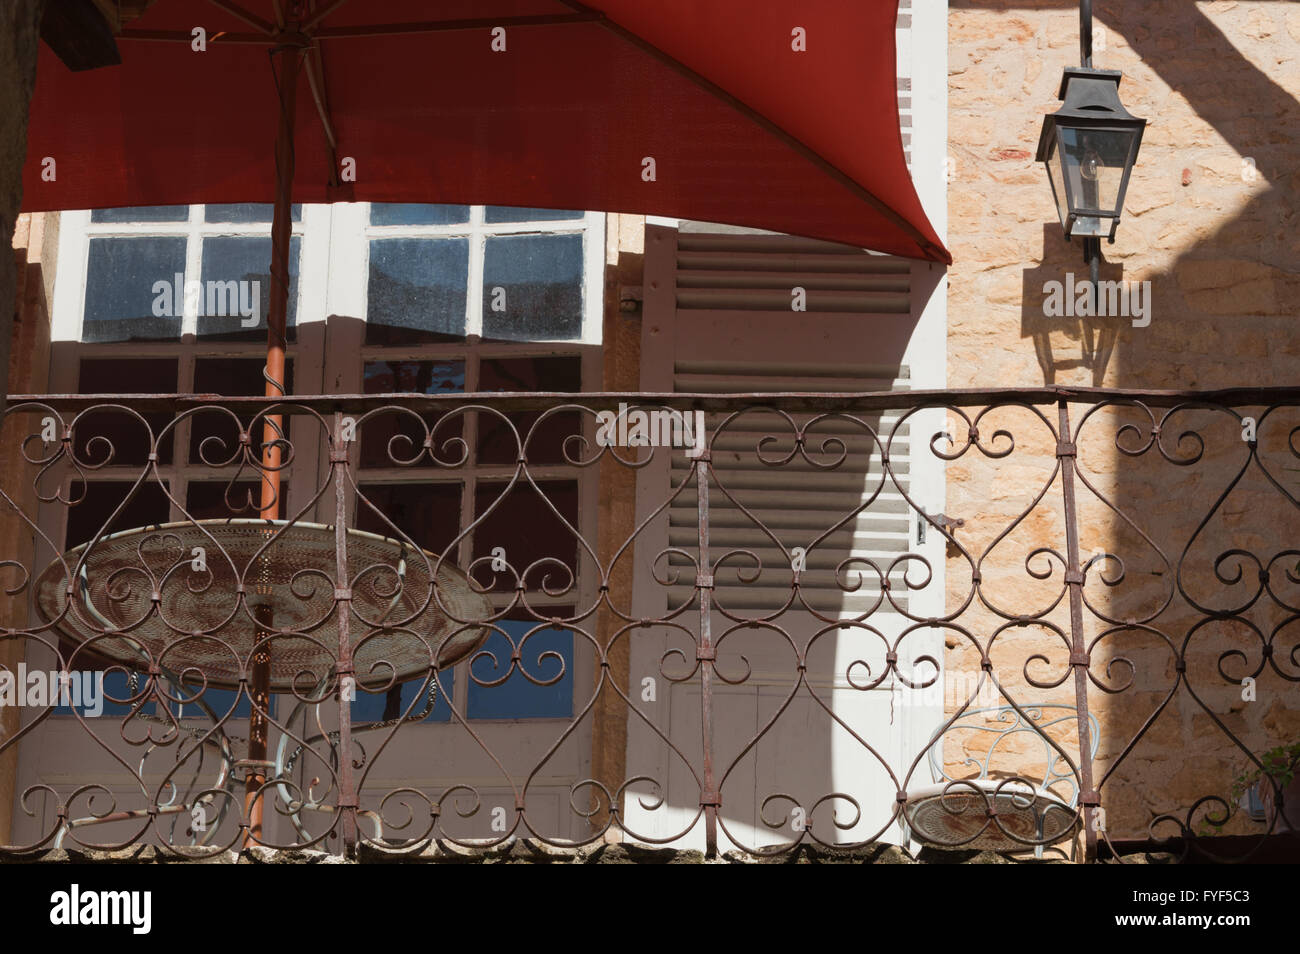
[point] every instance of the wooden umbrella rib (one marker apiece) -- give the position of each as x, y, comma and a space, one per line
310, 23
786, 137
240, 13
315, 64
180, 36
443, 26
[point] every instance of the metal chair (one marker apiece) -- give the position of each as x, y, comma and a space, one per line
947, 807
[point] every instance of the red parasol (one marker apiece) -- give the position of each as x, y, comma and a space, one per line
766, 113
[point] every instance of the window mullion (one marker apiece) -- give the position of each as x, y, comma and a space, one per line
193, 273
470, 436
474, 287
182, 432
469, 488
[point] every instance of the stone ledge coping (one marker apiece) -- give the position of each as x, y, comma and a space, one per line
531, 851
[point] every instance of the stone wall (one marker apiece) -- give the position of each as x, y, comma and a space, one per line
616, 522
35, 240
19, 37
1210, 221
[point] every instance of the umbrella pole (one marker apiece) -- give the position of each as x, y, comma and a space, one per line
287, 61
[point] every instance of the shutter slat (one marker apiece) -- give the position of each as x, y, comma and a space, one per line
720, 277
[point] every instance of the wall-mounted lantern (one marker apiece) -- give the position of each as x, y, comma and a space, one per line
1089, 146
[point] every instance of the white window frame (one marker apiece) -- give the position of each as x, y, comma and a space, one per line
350, 241
329, 357
67, 350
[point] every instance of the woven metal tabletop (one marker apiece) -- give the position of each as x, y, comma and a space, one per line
193, 593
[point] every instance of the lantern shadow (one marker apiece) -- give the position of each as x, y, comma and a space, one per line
1056, 335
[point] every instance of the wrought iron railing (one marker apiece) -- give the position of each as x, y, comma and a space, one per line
832, 619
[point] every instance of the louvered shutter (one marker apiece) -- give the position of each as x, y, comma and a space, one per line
796, 501
718, 319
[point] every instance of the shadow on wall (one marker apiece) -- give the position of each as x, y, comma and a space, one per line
1199, 596
1055, 299
1222, 316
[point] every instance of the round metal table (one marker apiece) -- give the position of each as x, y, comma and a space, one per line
195, 572
212, 597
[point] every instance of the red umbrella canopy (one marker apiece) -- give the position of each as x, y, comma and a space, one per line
767, 113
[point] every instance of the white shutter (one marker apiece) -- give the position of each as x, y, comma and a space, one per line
718, 320
795, 501
721, 279
903, 44
744, 270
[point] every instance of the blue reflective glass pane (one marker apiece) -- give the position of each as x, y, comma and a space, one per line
507, 213
244, 212
404, 213
369, 706
106, 686
414, 377
517, 697
219, 701
532, 287
417, 290
116, 685
132, 289
236, 292
142, 213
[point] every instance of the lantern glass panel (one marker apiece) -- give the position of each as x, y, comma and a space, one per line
1093, 163
1057, 179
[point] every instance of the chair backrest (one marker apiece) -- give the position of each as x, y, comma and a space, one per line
1007, 722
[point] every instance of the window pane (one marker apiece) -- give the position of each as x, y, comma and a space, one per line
231, 377
142, 213
528, 530
417, 290
219, 500
402, 213
129, 437
220, 701
428, 513
506, 213
149, 506
532, 287
519, 697
369, 706
247, 212
132, 289
237, 287
115, 685
420, 377
497, 444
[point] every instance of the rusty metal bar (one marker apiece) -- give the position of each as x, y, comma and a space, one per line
710, 798
348, 801
1089, 800
258, 727
602, 400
